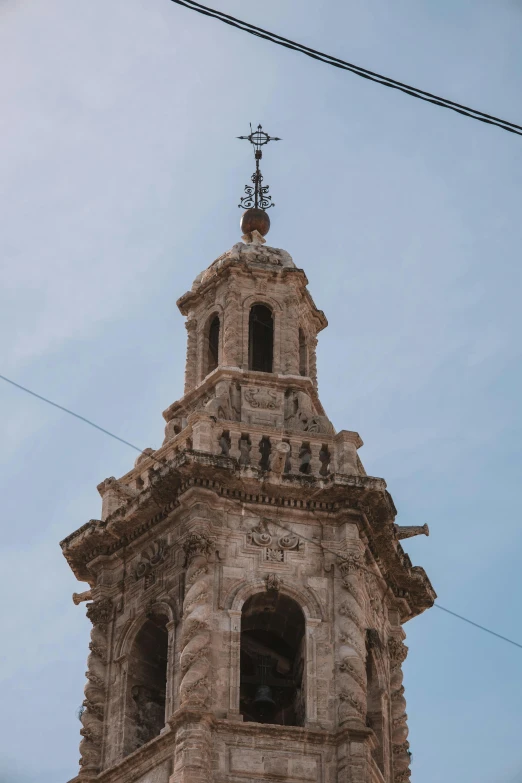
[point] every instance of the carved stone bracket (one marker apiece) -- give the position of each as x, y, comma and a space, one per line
350, 563
196, 544
99, 612
397, 651
273, 583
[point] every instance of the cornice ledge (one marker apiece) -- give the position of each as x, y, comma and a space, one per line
139, 761
226, 373
364, 482
315, 736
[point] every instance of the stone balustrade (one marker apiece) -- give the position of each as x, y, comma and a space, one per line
252, 446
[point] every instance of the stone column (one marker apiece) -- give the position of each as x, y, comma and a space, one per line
232, 328
169, 705
346, 445
192, 763
398, 651
191, 366
289, 337
193, 734
195, 634
315, 462
203, 436
235, 437
99, 613
312, 624
351, 643
293, 461
235, 655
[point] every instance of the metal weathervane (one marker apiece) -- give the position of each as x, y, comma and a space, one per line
257, 194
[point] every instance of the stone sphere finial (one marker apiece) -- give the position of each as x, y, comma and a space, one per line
255, 220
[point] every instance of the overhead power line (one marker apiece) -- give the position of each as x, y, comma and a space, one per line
136, 448
71, 413
438, 606
482, 628
386, 81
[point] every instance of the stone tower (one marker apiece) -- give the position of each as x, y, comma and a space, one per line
248, 585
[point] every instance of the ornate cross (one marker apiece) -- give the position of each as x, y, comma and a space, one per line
257, 195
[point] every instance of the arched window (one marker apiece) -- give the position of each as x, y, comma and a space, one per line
261, 339
213, 345
146, 684
303, 354
272, 660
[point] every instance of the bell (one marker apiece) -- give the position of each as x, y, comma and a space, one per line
263, 698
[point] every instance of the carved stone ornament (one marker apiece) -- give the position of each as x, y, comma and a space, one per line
350, 563
197, 544
274, 547
401, 749
350, 699
151, 557
289, 541
346, 667
262, 398
345, 610
397, 651
100, 611
260, 534
273, 583
303, 417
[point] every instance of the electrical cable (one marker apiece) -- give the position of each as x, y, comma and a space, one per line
315, 543
72, 413
336, 62
378, 576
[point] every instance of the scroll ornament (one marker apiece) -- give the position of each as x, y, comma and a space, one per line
151, 557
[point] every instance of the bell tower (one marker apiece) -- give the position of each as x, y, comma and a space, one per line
248, 588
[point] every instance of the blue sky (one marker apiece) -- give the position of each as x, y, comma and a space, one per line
120, 176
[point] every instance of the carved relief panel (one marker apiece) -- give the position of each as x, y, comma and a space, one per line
262, 406
275, 545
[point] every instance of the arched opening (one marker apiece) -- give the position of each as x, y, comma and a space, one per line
272, 660
146, 684
261, 339
374, 711
303, 354
213, 345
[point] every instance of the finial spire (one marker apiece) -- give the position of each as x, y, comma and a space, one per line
256, 201
257, 196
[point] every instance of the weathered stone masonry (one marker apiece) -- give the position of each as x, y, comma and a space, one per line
248, 588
